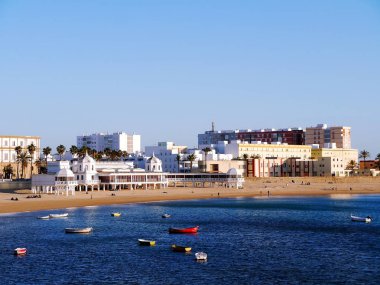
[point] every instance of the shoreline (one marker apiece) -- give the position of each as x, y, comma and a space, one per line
253, 188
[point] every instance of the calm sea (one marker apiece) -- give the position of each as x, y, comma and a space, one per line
248, 241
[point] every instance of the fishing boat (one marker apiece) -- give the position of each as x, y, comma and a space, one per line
201, 256
19, 251
367, 219
116, 214
78, 230
63, 215
193, 230
165, 216
147, 242
178, 248
44, 217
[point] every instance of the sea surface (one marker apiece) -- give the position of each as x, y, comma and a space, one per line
248, 241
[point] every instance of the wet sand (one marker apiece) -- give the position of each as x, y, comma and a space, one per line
264, 187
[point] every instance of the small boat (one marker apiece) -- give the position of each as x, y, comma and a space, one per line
367, 219
178, 248
165, 216
116, 214
201, 256
64, 215
193, 230
44, 217
78, 230
19, 251
147, 242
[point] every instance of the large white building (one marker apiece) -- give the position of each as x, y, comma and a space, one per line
116, 141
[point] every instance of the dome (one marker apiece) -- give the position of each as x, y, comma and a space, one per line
233, 171
65, 173
88, 159
153, 159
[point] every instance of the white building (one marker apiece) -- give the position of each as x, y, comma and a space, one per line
116, 141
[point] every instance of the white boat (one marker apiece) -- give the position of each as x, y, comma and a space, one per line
367, 219
201, 256
44, 217
78, 230
64, 215
165, 216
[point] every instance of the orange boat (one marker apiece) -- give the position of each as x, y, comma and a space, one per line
193, 230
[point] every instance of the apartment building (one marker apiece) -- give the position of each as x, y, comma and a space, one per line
324, 136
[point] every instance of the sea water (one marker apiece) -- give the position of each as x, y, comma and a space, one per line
247, 240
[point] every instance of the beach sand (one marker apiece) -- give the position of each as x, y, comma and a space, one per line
257, 187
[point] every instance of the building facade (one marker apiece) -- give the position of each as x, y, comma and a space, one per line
292, 136
8, 153
324, 136
116, 141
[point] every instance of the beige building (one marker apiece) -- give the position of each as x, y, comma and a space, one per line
8, 154
323, 135
333, 161
222, 166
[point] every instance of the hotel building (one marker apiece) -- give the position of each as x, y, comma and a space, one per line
8, 154
323, 135
116, 141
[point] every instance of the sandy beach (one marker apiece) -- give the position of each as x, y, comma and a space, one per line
259, 187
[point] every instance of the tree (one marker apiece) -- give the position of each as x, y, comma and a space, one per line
351, 165
18, 150
107, 151
191, 158
23, 158
8, 171
178, 158
364, 154
38, 164
245, 156
31, 149
74, 150
206, 150
255, 156
61, 150
46, 151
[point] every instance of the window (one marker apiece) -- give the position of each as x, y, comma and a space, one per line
5, 143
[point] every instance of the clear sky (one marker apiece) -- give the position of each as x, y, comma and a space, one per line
167, 69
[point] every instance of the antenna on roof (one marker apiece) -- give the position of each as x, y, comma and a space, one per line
212, 126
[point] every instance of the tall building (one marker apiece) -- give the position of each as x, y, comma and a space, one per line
292, 136
323, 136
8, 154
116, 141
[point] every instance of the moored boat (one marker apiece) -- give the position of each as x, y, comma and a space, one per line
147, 242
63, 215
78, 230
116, 214
165, 216
44, 217
178, 248
201, 256
19, 251
192, 230
367, 219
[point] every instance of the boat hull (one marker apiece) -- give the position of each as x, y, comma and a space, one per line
201, 256
58, 215
361, 219
193, 230
178, 248
144, 242
116, 214
44, 218
20, 251
78, 230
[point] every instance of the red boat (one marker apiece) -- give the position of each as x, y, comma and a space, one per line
20, 251
193, 230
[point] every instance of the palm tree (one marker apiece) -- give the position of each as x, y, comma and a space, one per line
378, 161
46, 151
61, 150
206, 150
73, 150
31, 149
18, 150
124, 154
245, 156
364, 154
8, 171
191, 158
107, 151
38, 164
178, 158
351, 165
23, 158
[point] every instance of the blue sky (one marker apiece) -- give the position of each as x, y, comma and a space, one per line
167, 69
